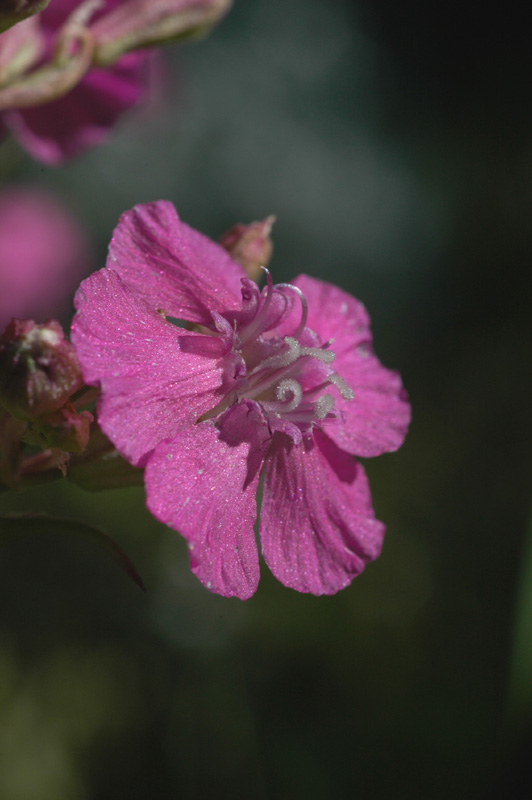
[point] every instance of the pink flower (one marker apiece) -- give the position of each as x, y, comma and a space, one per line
83, 117
281, 383
43, 255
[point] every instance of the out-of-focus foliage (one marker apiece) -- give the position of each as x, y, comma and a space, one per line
393, 143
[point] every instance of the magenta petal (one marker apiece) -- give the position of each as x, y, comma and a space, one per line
173, 267
155, 378
195, 484
66, 127
334, 314
317, 524
377, 419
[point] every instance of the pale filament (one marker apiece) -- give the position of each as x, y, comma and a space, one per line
304, 307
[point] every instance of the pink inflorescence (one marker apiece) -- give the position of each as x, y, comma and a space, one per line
63, 128
43, 254
281, 383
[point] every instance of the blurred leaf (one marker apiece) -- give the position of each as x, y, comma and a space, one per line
520, 687
19, 524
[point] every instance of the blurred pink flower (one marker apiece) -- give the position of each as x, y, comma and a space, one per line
68, 73
83, 117
43, 255
281, 382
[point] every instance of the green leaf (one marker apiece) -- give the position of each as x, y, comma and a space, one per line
520, 683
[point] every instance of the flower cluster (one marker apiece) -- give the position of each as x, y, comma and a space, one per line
280, 384
222, 396
39, 378
68, 73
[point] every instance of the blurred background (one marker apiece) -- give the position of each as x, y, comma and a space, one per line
394, 144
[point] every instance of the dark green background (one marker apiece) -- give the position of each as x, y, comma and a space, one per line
393, 141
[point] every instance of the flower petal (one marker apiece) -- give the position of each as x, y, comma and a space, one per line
64, 128
377, 419
155, 378
175, 268
317, 524
195, 483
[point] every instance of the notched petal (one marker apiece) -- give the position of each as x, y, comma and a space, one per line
194, 484
317, 524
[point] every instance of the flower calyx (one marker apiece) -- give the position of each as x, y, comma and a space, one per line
39, 370
144, 23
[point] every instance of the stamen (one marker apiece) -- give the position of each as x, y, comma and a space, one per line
304, 307
278, 381
256, 326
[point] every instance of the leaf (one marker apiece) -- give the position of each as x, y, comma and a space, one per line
520, 679
19, 524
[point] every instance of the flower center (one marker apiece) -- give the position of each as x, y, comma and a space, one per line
287, 374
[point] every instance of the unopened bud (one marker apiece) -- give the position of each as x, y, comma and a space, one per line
250, 245
20, 49
71, 58
13, 11
142, 23
39, 369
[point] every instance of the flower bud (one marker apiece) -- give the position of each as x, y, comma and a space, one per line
250, 245
39, 369
13, 11
20, 49
140, 23
71, 58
